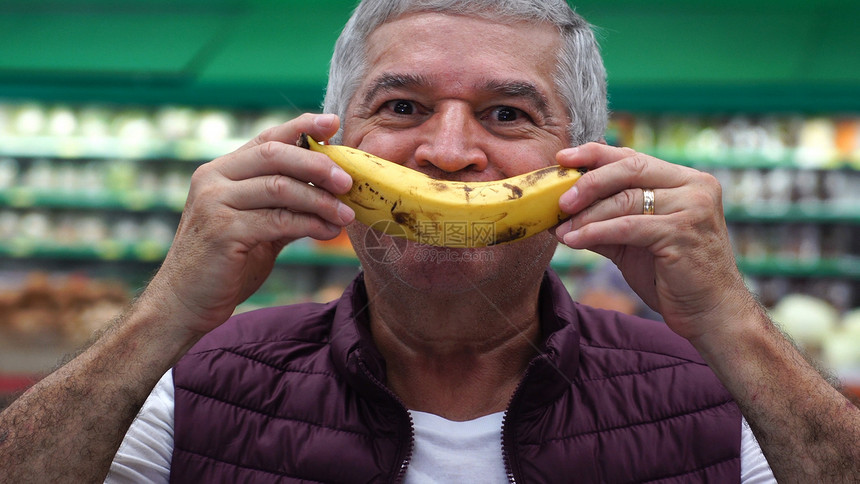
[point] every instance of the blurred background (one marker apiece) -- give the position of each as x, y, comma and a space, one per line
107, 107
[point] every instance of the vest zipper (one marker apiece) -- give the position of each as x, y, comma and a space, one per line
404, 464
505, 458
506, 449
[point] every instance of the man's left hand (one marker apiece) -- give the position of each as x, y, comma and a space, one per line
678, 259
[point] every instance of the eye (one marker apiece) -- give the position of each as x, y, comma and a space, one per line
400, 106
505, 114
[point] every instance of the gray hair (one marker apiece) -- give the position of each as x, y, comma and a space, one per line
580, 76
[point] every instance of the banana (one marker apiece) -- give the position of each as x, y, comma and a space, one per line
403, 202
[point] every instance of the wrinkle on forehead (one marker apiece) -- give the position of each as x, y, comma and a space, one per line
446, 31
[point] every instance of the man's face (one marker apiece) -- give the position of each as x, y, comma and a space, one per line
460, 98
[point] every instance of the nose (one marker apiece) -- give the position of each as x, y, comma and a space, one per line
450, 141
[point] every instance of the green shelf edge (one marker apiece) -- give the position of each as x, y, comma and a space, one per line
843, 267
813, 212
790, 97
24, 198
847, 267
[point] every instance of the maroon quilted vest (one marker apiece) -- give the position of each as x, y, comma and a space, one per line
297, 394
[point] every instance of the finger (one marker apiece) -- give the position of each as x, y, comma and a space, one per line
618, 231
627, 202
320, 126
632, 202
278, 191
636, 171
274, 152
292, 225
284, 226
276, 158
592, 155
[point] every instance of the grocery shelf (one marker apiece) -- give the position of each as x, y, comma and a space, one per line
140, 201
847, 267
72, 147
23, 248
799, 212
153, 252
150, 252
133, 201
750, 161
109, 192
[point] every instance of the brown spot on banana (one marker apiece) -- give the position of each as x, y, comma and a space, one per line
359, 202
438, 186
509, 235
407, 219
536, 176
516, 192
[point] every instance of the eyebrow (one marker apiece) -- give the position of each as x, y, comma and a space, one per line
516, 89
391, 82
520, 89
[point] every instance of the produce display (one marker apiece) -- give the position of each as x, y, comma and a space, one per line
822, 332
47, 309
744, 140
91, 194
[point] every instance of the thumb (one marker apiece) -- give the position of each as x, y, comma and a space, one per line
326, 126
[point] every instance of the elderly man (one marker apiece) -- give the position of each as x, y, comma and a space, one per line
467, 369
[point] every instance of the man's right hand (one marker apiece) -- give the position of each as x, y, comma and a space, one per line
242, 209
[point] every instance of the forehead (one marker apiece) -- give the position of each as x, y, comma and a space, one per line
456, 50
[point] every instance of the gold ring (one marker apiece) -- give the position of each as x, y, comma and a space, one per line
648, 204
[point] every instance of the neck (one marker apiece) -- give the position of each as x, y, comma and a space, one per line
460, 356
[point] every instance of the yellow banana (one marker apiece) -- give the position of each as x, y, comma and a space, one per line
407, 203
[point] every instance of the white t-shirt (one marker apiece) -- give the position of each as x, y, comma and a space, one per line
445, 451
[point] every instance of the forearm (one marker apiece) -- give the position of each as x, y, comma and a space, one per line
808, 431
67, 427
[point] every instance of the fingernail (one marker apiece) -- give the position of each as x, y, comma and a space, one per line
346, 214
341, 179
324, 121
569, 151
562, 229
568, 198
570, 239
